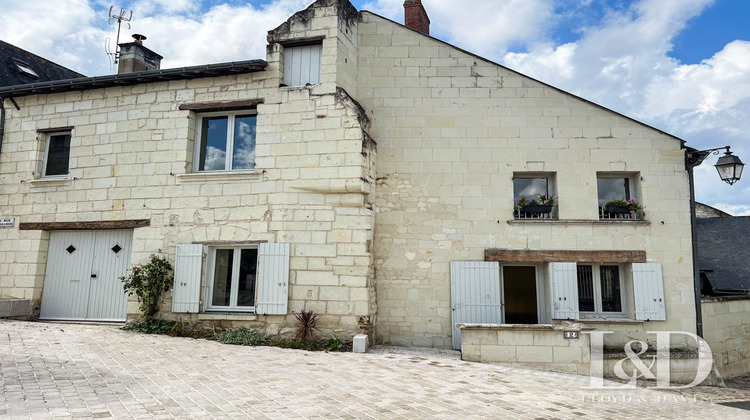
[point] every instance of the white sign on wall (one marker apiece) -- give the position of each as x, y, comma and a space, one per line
7, 221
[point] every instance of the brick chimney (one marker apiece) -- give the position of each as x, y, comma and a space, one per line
134, 57
415, 17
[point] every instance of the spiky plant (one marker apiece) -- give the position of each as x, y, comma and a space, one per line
308, 321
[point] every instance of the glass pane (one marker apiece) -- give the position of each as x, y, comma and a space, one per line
585, 289
213, 144
610, 280
530, 188
58, 155
611, 189
244, 142
246, 281
222, 277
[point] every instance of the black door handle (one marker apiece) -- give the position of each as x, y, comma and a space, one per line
93, 276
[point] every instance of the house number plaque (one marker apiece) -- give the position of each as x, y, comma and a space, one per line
7, 221
570, 335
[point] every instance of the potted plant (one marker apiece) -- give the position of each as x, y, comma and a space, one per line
543, 204
630, 206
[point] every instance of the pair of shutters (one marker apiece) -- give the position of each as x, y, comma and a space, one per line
272, 279
648, 291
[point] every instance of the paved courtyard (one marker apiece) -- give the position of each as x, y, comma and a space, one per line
52, 370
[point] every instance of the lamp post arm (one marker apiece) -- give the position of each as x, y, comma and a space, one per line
695, 158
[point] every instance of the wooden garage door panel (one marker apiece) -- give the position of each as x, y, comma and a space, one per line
70, 292
66, 283
107, 299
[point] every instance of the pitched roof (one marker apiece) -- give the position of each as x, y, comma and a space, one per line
724, 253
18, 67
127, 79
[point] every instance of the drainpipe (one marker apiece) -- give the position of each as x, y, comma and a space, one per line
696, 271
2, 122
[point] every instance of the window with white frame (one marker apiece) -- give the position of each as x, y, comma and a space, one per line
231, 278
225, 141
302, 65
600, 290
238, 278
56, 155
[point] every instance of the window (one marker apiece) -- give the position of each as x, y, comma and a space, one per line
231, 278
302, 65
533, 196
600, 290
615, 188
226, 142
56, 155
25, 68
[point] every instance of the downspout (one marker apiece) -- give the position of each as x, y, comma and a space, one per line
2, 123
696, 270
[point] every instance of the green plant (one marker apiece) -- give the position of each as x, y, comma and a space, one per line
148, 281
150, 327
242, 336
632, 204
308, 321
542, 200
334, 344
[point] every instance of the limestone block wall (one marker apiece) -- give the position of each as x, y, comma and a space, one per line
131, 158
537, 346
726, 328
452, 129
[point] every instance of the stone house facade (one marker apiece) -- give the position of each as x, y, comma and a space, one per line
363, 170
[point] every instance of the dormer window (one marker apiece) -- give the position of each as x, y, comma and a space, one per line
25, 68
302, 65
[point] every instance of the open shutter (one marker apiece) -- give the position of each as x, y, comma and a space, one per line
475, 295
564, 282
648, 290
187, 278
273, 279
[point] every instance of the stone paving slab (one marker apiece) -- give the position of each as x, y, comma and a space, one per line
59, 371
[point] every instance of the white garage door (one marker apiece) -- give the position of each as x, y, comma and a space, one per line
82, 281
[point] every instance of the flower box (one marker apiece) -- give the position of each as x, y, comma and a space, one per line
536, 208
617, 209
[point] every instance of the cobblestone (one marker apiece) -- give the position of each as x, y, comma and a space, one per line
53, 370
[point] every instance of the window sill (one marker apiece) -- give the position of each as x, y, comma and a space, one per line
227, 316
597, 320
579, 222
48, 182
226, 176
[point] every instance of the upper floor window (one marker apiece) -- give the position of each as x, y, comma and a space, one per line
56, 154
533, 196
302, 65
617, 199
225, 141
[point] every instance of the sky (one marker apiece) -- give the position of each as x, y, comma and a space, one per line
682, 66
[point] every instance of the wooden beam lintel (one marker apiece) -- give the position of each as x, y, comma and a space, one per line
109, 224
507, 255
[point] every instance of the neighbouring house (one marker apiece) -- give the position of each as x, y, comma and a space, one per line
382, 178
18, 67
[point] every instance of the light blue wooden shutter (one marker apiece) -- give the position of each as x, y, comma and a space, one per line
302, 65
187, 278
564, 282
648, 291
273, 279
475, 295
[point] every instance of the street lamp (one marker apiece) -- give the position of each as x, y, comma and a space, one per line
730, 168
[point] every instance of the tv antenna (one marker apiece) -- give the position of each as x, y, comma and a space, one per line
123, 16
